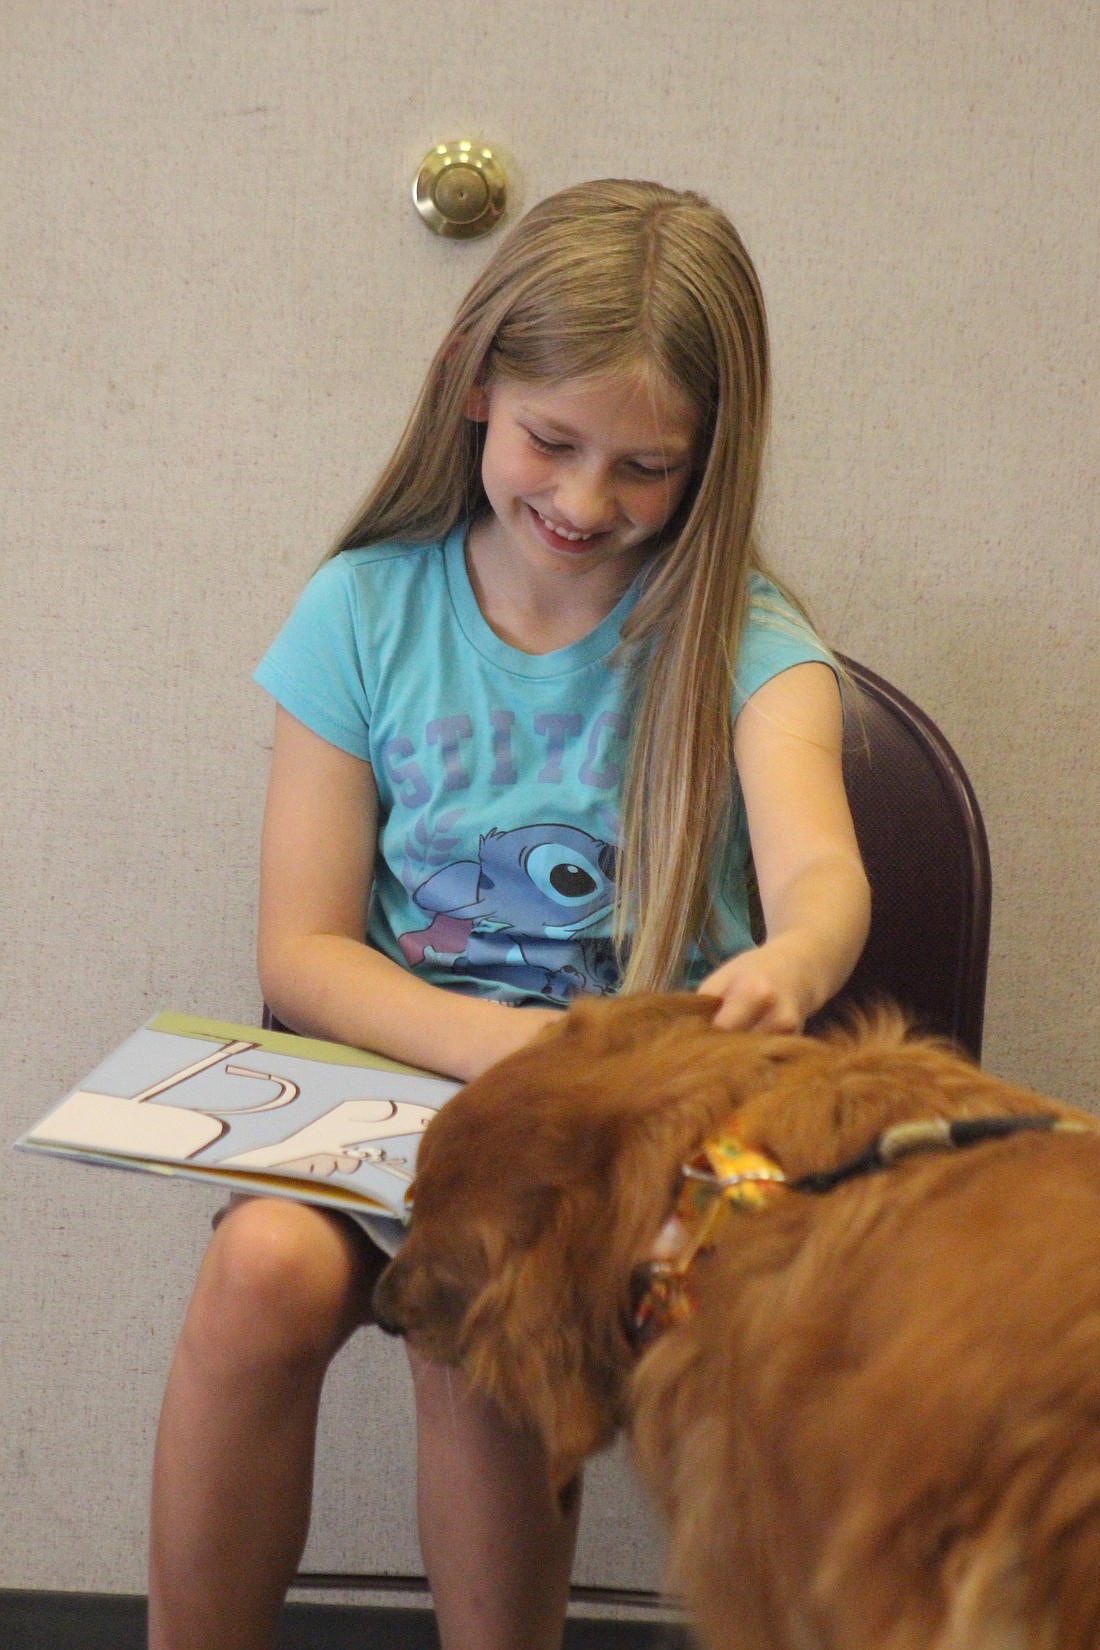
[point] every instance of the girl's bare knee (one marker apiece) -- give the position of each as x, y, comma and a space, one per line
280, 1282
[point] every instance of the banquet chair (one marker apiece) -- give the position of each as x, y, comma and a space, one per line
925, 851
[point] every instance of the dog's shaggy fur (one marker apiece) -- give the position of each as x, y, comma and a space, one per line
881, 1429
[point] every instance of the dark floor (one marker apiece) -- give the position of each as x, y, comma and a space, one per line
96, 1621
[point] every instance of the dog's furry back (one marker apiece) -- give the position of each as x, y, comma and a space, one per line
888, 1403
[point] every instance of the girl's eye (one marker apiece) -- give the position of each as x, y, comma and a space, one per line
543, 446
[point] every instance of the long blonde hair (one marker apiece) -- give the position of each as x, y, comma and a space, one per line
600, 277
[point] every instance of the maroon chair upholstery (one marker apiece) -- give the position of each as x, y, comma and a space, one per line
270, 1023
924, 846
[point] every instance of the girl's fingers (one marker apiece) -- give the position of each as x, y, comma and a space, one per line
754, 1003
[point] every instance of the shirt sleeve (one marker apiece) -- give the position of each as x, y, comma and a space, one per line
775, 637
314, 667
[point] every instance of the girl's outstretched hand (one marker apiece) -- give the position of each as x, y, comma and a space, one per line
761, 990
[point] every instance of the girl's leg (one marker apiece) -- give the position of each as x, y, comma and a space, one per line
280, 1288
497, 1542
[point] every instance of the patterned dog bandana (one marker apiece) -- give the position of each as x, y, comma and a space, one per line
723, 1175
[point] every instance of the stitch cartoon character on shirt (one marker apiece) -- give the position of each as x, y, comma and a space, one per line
520, 911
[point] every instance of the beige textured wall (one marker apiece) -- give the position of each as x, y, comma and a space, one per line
217, 304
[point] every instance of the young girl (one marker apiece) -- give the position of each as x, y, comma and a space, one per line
531, 715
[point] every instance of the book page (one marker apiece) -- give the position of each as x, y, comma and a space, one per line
213, 1099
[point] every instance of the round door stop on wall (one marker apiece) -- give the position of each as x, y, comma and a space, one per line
460, 189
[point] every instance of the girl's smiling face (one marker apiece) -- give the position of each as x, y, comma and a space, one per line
582, 475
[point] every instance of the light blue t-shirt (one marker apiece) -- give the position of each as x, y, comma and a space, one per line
499, 773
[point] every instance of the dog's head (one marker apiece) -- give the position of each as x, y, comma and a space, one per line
538, 1189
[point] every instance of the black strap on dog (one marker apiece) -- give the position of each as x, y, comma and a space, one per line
935, 1134
662, 1291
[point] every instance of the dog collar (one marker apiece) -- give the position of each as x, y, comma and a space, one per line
725, 1174
935, 1134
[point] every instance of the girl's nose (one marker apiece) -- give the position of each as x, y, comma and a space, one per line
587, 502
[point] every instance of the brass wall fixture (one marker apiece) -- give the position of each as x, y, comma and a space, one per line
460, 189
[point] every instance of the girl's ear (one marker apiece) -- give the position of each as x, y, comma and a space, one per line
477, 402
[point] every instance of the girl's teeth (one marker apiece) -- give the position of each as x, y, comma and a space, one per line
574, 538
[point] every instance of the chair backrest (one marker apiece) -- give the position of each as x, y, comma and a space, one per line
924, 846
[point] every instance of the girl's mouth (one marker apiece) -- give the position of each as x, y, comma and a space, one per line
563, 538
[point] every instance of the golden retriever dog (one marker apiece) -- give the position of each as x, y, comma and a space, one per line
876, 1423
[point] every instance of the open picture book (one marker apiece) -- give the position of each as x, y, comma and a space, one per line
254, 1111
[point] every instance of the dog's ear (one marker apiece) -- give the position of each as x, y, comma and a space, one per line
546, 1337
544, 1340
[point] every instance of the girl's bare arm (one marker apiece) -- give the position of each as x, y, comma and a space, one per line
316, 972
814, 893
